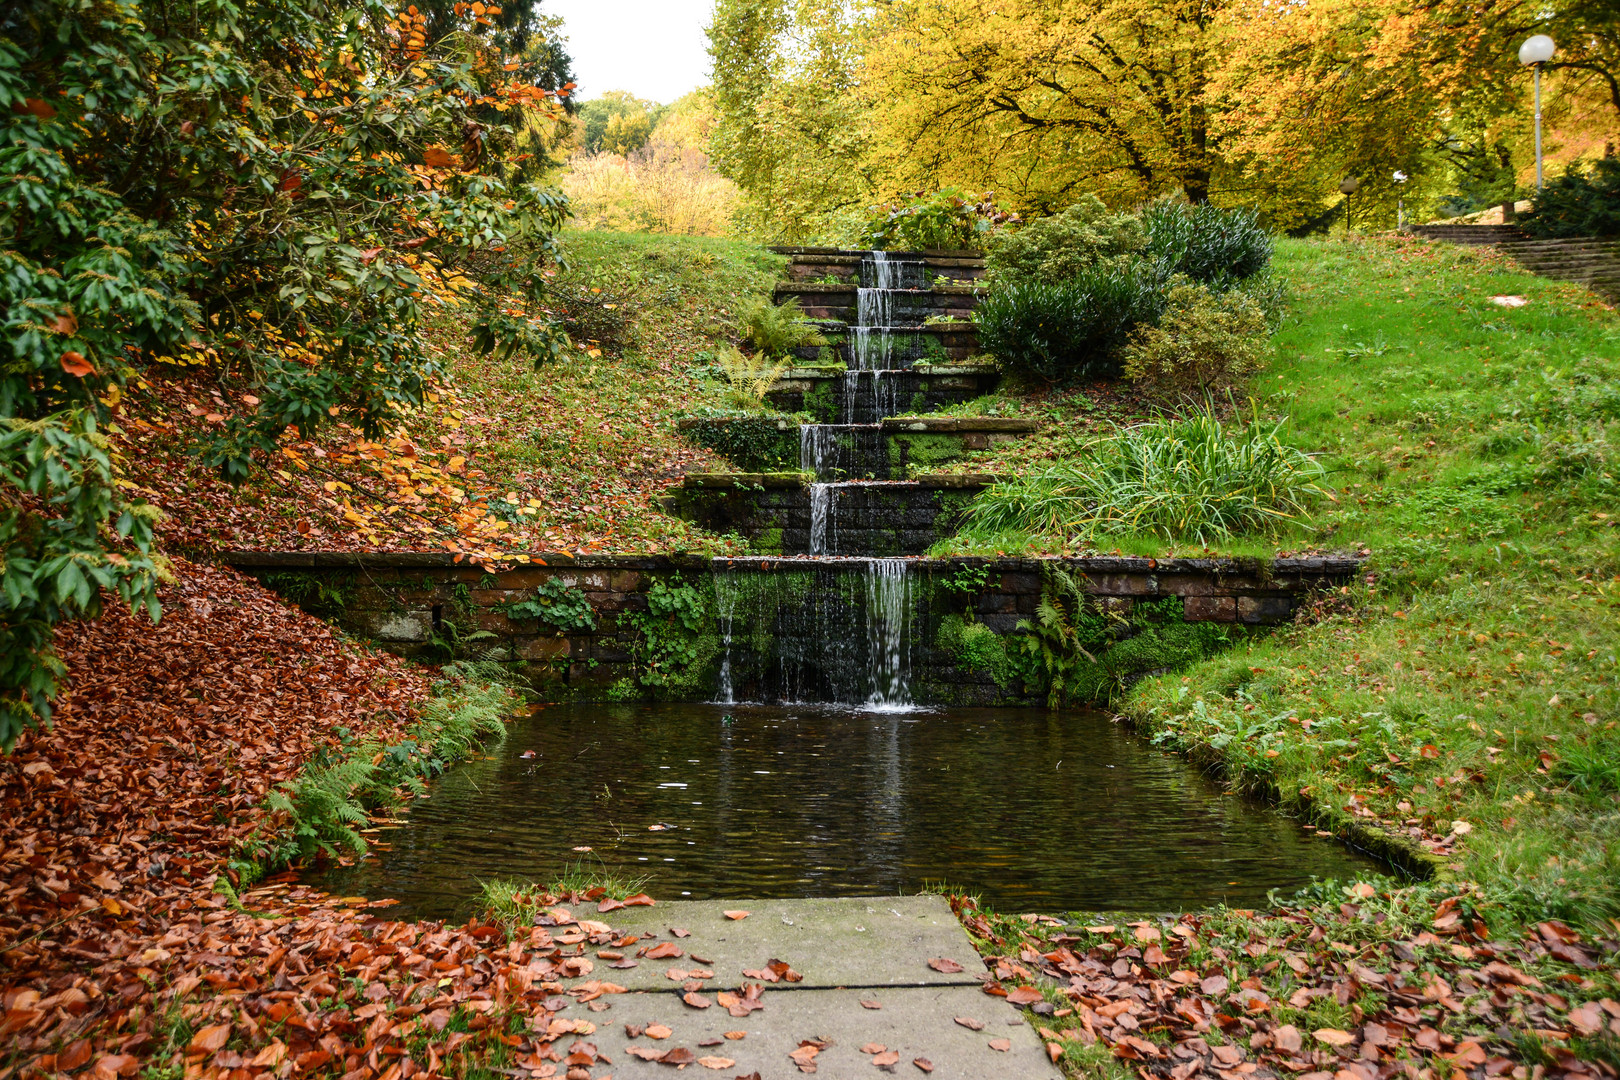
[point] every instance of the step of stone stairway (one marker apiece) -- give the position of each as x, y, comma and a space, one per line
866, 982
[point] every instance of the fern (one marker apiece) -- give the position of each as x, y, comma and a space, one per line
323, 810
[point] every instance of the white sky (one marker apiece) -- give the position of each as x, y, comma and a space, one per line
653, 48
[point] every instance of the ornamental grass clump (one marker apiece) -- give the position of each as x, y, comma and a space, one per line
1198, 479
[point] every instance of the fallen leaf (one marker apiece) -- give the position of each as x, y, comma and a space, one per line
716, 1062
678, 1055
970, 1023
945, 965
1024, 995
1286, 1039
865, 1004
735, 915
696, 1000
886, 1059
1334, 1037
924, 1064
658, 1031
735, 1035
1001, 1044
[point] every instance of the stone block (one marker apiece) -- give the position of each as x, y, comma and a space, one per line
1001, 623
987, 603
625, 581
396, 625
1264, 610
547, 647
1210, 608
1020, 582
1187, 585
1123, 585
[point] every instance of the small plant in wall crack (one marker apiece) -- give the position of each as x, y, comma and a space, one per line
561, 606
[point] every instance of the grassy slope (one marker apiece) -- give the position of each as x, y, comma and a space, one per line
595, 440
1475, 681
584, 447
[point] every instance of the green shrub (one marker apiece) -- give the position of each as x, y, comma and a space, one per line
561, 606
1204, 343
1582, 202
1055, 248
1072, 329
776, 329
1192, 479
1207, 243
929, 221
753, 442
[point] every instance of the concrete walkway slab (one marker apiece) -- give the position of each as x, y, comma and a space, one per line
853, 942
914, 1021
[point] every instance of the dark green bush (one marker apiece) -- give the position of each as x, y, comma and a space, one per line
1072, 329
1207, 243
1579, 203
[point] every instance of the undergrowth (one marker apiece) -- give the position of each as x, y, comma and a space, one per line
339, 790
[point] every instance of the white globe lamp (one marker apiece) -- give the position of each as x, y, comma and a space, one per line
1533, 53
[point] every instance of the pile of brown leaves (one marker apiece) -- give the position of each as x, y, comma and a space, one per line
117, 953
1235, 996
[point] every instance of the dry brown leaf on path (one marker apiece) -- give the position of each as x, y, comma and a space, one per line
696, 1000
945, 965
1334, 1037
735, 915
873, 1048
1024, 995
924, 1064
716, 1062
871, 1004
657, 1031
887, 1059
1001, 1044
970, 1023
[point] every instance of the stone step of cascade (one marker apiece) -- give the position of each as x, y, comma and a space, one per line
788, 514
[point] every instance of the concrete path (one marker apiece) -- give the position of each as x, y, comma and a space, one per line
867, 993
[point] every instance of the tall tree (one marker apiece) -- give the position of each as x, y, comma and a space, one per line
1044, 100
789, 129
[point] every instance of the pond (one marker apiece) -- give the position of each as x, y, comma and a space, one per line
1032, 810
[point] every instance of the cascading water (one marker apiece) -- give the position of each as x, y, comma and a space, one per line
821, 505
838, 632
726, 595
888, 637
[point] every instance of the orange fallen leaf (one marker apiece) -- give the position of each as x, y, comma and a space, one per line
735, 915
1001, 1044
945, 965
716, 1062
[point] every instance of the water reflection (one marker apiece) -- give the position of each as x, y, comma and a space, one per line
1033, 810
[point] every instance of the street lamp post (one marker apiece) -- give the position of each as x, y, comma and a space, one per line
1348, 187
1400, 203
1533, 53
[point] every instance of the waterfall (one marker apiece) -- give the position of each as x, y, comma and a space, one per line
838, 632
817, 449
821, 499
888, 625
726, 594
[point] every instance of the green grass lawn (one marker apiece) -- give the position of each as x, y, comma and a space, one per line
1465, 697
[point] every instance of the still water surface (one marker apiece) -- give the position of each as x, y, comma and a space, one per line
1033, 810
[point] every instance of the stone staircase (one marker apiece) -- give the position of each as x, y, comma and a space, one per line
1587, 261
899, 348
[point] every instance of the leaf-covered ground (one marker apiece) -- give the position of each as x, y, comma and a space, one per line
1360, 984
572, 457
120, 955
